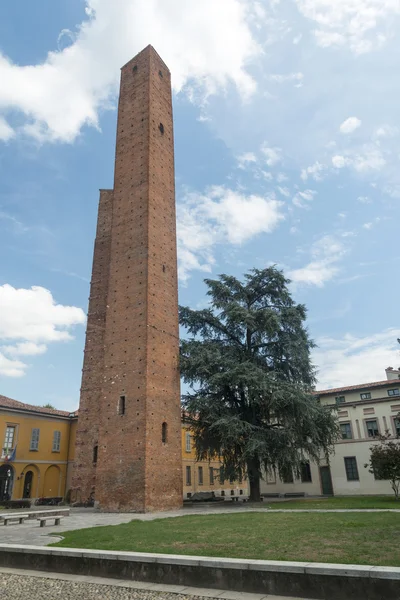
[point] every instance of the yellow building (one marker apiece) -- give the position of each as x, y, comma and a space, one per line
205, 476
38, 442
37, 455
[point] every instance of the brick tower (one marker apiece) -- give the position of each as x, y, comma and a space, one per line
128, 445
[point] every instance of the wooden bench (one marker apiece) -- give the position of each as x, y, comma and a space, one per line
14, 517
57, 520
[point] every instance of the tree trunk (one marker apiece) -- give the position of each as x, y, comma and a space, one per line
253, 471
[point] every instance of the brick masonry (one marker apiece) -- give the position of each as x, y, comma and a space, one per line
132, 342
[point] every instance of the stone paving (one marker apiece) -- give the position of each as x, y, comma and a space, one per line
18, 585
29, 533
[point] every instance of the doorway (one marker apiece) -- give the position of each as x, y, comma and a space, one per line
6, 482
28, 485
326, 481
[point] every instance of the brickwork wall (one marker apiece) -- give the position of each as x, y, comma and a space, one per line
84, 471
136, 470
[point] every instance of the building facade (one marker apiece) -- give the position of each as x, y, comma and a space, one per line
206, 476
38, 452
364, 412
128, 452
37, 449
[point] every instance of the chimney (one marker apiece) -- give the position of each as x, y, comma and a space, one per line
392, 374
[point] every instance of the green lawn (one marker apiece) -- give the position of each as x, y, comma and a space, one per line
342, 538
349, 502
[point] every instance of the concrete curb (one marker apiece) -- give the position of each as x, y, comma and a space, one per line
311, 580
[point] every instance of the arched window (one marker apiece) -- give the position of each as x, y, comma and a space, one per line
95, 451
164, 433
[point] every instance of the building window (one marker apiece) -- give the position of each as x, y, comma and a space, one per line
306, 472
164, 433
211, 476
221, 476
34, 440
365, 396
200, 475
188, 444
56, 441
345, 431
350, 464
340, 399
121, 405
397, 427
287, 475
8, 440
395, 392
372, 428
188, 476
95, 453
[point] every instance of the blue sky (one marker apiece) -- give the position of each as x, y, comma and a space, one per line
287, 152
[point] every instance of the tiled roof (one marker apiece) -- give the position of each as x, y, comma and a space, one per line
360, 386
10, 403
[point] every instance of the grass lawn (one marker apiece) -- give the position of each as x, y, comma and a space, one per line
349, 502
358, 538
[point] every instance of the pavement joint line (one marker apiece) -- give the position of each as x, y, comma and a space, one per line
143, 585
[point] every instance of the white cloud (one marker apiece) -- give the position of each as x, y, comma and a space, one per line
31, 319
350, 125
350, 360
206, 45
302, 199
11, 368
6, 132
272, 155
325, 254
284, 191
371, 224
350, 22
221, 216
314, 171
24, 349
364, 199
339, 161
289, 77
386, 131
245, 159
368, 158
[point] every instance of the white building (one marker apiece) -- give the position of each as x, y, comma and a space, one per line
364, 411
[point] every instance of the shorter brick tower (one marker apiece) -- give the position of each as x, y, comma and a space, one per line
128, 446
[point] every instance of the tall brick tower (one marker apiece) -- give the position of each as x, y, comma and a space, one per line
128, 445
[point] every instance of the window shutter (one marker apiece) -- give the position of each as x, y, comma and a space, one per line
35, 439
56, 441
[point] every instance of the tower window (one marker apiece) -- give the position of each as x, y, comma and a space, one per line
161, 128
160, 73
164, 433
95, 451
134, 69
121, 405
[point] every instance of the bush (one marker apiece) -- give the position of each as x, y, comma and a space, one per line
384, 463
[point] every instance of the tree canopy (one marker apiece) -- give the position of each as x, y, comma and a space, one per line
384, 463
246, 359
